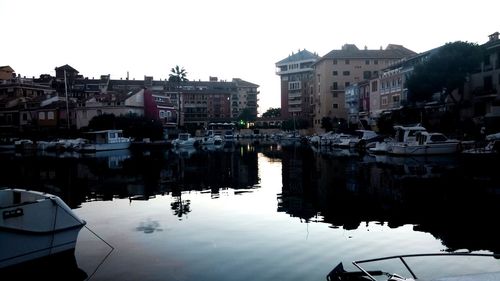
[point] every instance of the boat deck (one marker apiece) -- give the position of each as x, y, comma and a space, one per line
491, 276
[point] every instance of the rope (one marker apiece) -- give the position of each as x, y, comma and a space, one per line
53, 227
95, 234
107, 255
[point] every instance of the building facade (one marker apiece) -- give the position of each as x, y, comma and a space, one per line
296, 75
483, 88
339, 69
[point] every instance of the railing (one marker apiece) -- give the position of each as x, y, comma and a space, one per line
402, 259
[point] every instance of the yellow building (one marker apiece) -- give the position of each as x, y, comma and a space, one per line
341, 68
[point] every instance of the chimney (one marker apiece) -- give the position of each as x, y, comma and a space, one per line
127, 75
494, 36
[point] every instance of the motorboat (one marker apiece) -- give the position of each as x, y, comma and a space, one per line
184, 140
426, 144
492, 147
105, 140
35, 225
403, 134
340, 274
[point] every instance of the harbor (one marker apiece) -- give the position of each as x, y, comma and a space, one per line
265, 211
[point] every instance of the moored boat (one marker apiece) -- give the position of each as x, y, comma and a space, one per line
184, 140
427, 144
105, 140
340, 274
35, 225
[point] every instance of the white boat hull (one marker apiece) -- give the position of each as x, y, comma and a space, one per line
18, 247
425, 149
34, 225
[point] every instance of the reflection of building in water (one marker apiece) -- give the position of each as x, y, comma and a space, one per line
215, 170
298, 177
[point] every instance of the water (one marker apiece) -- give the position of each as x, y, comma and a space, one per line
265, 213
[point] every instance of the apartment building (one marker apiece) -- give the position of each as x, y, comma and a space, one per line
339, 69
483, 88
244, 98
296, 73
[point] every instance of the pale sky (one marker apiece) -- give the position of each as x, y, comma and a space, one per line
224, 38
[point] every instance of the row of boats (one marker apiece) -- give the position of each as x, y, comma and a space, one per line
93, 142
407, 141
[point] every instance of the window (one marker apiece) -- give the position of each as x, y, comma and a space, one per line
395, 99
25, 116
384, 100
50, 115
488, 82
347, 61
367, 74
347, 84
294, 85
367, 62
41, 115
335, 86
374, 86
346, 73
335, 94
335, 73
335, 105
334, 61
375, 62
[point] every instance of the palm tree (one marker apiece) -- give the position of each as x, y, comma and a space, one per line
178, 74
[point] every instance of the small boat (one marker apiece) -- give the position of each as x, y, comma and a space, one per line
403, 134
492, 147
35, 225
340, 274
105, 140
184, 140
427, 144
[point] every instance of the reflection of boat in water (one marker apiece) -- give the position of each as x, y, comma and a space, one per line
340, 274
115, 158
61, 266
35, 225
184, 152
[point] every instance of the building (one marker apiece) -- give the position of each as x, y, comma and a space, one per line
110, 103
245, 98
296, 74
18, 94
483, 88
339, 69
6, 73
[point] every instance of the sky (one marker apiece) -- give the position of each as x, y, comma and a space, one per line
223, 38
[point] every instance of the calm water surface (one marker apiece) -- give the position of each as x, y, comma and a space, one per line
266, 213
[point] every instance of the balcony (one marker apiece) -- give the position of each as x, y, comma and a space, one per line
484, 93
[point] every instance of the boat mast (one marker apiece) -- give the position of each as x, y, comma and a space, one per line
66, 91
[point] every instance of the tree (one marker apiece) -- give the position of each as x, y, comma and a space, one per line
272, 112
132, 125
246, 115
444, 72
178, 74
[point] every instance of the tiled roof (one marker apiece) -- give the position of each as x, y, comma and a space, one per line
350, 51
300, 56
67, 67
243, 83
